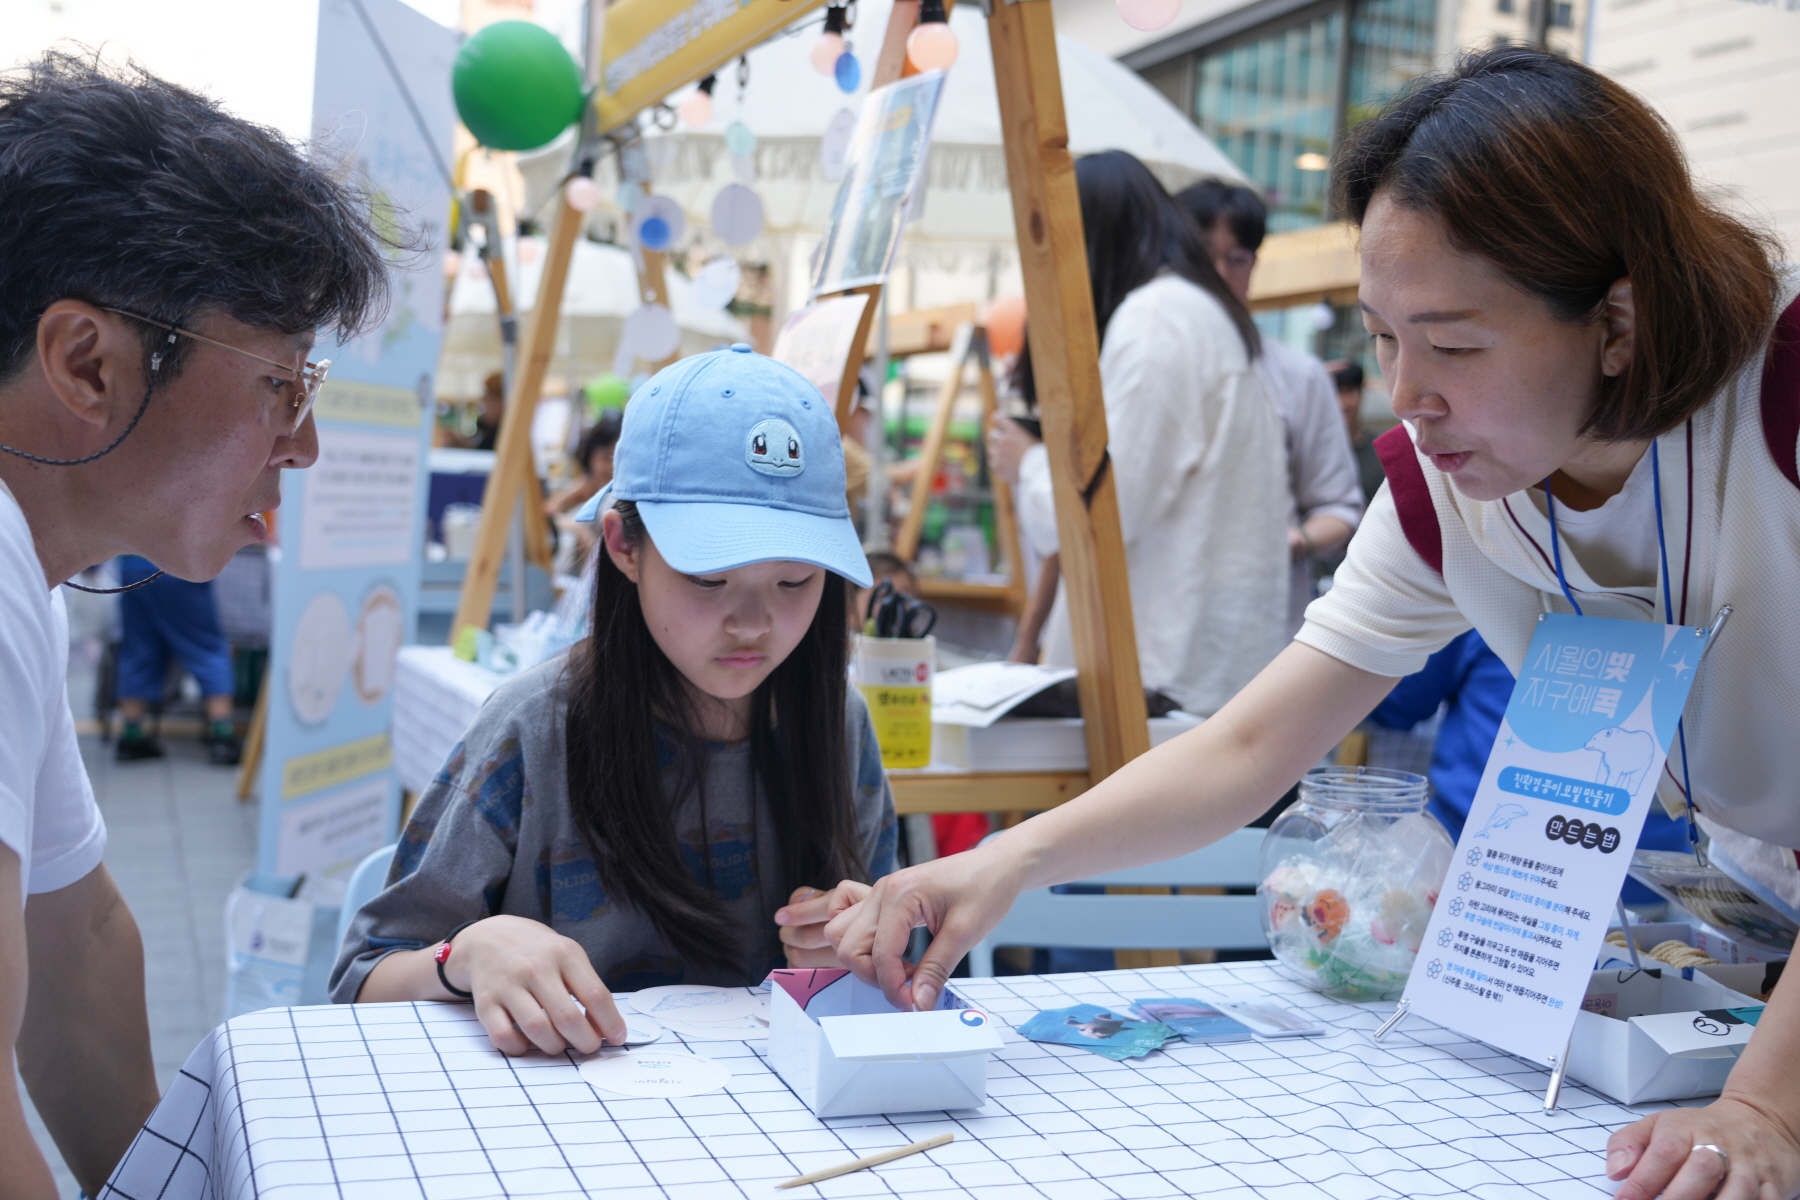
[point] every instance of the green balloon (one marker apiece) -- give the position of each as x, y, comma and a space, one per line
516, 87
606, 391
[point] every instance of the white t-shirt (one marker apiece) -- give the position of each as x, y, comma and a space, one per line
1202, 488
47, 812
1321, 466
1616, 542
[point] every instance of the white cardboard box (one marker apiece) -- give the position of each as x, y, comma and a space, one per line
1652, 1035
848, 1053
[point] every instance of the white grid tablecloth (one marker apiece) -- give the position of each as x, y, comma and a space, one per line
410, 1100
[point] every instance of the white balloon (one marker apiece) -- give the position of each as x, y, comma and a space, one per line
834, 144
717, 283
650, 333
737, 214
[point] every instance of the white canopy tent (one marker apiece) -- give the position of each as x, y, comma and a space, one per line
602, 290
965, 227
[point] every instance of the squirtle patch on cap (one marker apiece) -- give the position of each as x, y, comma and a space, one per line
774, 449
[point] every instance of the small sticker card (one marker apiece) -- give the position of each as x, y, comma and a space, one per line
1195, 1020
1107, 1032
1271, 1020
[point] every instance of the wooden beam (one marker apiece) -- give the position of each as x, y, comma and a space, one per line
926, 330
906, 542
512, 457
890, 64
653, 288
853, 361
1304, 266
1065, 358
932, 791
1006, 521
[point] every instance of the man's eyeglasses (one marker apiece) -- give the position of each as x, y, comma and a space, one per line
305, 386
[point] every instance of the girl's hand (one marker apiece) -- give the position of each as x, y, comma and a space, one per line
531, 985
1007, 443
803, 922
1664, 1155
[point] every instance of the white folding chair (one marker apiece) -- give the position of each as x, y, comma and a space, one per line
1086, 922
366, 883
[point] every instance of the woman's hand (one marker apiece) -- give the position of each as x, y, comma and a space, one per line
531, 986
804, 918
1007, 443
958, 898
1665, 1154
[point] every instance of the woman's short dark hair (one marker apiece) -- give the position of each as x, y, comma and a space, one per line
1135, 232
124, 190
600, 438
1567, 183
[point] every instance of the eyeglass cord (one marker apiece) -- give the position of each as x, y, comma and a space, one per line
156, 361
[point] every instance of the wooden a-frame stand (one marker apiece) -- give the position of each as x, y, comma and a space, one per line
1065, 361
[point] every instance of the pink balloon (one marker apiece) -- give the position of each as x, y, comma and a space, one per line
1148, 15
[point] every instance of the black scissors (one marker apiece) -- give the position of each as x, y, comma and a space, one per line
895, 614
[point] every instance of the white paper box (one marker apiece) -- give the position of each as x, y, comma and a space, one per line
1651, 1048
848, 1053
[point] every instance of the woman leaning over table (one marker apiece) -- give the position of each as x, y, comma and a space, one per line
1550, 300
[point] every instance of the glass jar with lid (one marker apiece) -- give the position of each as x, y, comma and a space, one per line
1349, 877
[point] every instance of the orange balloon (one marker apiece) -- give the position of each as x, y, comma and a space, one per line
1006, 325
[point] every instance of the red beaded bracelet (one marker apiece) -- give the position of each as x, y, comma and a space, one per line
443, 956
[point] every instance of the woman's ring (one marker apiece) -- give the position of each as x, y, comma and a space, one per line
1724, 1158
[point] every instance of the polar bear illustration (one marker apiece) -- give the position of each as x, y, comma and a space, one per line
1625, 756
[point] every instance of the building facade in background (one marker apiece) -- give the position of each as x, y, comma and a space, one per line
1277, 83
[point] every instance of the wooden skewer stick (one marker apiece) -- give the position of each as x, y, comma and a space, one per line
874, 1160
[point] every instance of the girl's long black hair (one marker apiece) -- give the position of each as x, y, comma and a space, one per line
621, 685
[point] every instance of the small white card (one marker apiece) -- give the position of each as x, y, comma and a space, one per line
655, 1073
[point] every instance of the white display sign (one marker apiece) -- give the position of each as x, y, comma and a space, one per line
330, 834
359, 507
1530, 891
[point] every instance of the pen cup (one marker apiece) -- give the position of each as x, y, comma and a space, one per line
894, 676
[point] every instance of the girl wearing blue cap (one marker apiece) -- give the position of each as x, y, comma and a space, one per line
636, 811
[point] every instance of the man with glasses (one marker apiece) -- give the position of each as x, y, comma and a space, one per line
164, 269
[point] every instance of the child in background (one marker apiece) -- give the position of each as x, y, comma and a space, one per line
667, 801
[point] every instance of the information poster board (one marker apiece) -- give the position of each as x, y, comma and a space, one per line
1518, 925
351, 528
883, 170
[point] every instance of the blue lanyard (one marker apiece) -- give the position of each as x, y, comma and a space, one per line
1662, 550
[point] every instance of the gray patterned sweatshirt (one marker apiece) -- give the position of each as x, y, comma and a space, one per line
493, 834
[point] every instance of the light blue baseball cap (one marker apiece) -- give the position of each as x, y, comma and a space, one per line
733, 458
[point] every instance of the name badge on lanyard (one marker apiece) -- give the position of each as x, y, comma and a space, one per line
1524, 909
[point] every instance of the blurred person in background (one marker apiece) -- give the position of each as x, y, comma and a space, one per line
1347, 378
169, 616
594, 455
164, 270
1325, 501
1194, 442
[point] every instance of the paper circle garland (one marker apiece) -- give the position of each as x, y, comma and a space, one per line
834, 144
1148, 15
657, 223
739, 140
582, 193
744, 167
650, 333
515, 86
737, 214
848, 72
717, 283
